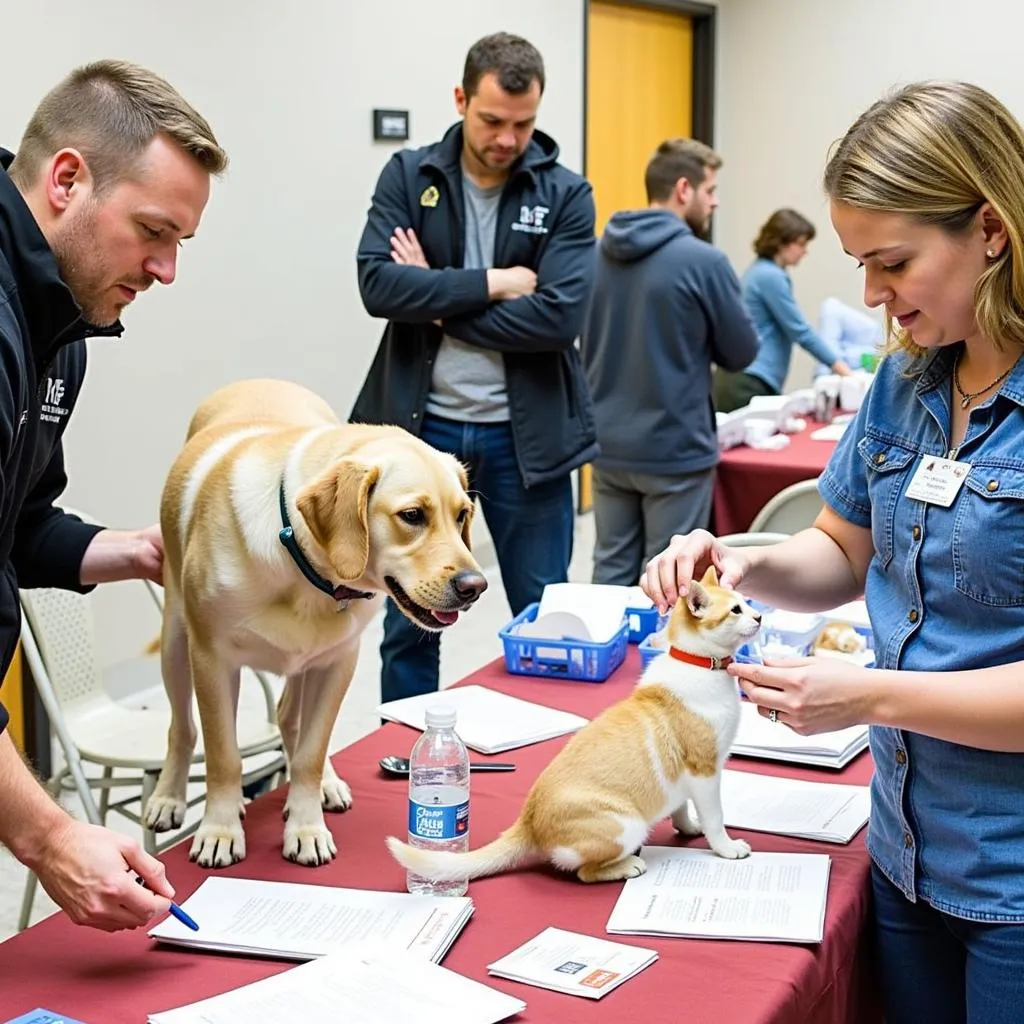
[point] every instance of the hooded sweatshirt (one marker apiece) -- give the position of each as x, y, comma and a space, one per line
666, 305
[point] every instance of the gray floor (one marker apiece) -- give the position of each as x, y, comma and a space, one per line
470, 643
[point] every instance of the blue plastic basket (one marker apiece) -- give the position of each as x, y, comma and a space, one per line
647, 651
745, 653
561, 659
642, 622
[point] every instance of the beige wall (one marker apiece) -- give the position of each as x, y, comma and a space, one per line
268, 287
795, 73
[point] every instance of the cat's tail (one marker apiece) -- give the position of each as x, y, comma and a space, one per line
509, 850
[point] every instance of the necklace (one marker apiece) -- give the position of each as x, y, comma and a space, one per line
965, 398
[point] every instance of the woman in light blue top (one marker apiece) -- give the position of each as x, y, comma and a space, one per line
768, 293
924, 515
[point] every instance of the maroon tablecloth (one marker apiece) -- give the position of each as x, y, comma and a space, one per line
747, 477
117, 979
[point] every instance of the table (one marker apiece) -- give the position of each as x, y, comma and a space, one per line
117, 979
747, 478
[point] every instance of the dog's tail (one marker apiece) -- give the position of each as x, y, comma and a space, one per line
509, 850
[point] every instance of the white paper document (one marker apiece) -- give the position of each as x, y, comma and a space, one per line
826, 811
487, 721
297, 921
775, 741
357, 988
579, 611
766, 897
578, 965
833, 432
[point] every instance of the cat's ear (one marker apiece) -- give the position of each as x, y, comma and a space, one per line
697, 599
710, 578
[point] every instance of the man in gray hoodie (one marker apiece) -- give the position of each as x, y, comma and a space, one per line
666, 305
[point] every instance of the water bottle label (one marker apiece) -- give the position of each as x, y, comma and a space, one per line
447, 821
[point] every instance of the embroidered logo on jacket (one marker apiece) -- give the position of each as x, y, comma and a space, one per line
52, 411
429, 196
531, 220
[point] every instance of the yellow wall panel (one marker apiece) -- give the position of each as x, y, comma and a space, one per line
639, 92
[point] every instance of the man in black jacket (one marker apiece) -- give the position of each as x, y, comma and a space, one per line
113, 171
479, 251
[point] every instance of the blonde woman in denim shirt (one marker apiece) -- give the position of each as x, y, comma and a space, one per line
926, 194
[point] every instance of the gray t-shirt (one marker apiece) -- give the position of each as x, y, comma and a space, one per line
469, 382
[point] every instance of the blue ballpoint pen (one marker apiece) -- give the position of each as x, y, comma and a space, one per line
175, 910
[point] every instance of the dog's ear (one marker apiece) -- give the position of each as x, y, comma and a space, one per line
335, 509
697, 599
710, 578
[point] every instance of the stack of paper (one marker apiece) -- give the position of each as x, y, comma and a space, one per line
357, 988
767, 897
296, 921
830, 812
774, 741
579, 611
578, 965
487, 721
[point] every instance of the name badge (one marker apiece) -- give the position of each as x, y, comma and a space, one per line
937, 481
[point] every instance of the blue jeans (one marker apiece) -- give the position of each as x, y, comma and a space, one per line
943, 969
532, 530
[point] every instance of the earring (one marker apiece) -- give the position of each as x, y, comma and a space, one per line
990, 253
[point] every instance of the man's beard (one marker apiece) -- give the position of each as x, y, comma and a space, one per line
490, 161
84, 269
699, 225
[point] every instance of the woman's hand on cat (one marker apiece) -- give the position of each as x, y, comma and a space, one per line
810, 695
667, 576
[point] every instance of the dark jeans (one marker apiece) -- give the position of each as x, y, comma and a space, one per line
735, 390
532, 530
941, 969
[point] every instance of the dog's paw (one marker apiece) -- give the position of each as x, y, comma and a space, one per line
733, 849
311, 845
218, 845
164, 813
335, 794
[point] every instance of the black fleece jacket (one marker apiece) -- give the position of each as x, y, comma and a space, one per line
42, 365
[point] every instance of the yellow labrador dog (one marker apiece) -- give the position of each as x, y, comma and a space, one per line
283, 529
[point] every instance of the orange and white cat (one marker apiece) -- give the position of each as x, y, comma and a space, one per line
643, 759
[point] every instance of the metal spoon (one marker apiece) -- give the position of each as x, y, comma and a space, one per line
400, 765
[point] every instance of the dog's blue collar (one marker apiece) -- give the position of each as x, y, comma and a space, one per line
287, 537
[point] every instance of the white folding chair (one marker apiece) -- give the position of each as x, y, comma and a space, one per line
92, 728
791, 510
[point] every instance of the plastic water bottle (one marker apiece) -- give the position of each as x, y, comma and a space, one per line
439, 796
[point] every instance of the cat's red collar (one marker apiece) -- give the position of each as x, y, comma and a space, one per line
698, 659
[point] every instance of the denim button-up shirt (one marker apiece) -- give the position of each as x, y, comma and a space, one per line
944, 591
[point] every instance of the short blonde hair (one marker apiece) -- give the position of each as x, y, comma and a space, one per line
936, 152
110, 111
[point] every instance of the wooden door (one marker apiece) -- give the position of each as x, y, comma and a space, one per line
639, 93
13, 698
